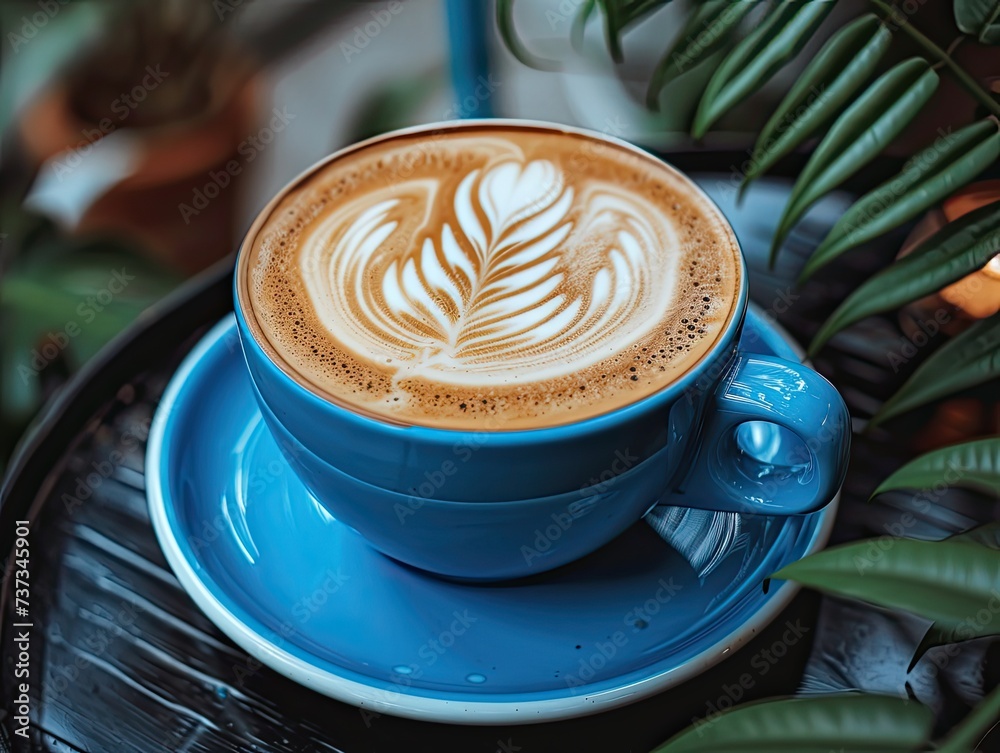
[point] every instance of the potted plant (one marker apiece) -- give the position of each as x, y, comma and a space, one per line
862, 109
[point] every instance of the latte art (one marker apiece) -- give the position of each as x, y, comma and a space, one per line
498, 277
492, 292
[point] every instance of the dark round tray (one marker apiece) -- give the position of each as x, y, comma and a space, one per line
121, 659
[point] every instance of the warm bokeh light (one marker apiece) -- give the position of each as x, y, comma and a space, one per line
978, 294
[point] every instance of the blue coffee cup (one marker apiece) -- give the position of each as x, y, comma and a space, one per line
471, 504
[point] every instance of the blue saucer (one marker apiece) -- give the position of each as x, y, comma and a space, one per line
308, 597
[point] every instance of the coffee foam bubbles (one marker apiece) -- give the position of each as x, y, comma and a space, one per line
495, 277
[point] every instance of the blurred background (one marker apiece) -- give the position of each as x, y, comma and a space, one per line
140, 138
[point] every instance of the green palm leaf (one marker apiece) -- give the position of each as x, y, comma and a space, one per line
708, 29
940, 635
508, 32
28, 67
947, 582
933, 174
619, 14
852, 722
783, 32
967, 734
579, 27
958, 248
970, 359
613, 23
980, 18
63, 299
874, 119
987, 535
838, 70
636, 9
973, 464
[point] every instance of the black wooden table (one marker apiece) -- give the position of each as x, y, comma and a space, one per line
122, 660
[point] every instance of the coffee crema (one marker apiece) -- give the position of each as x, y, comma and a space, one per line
490, 277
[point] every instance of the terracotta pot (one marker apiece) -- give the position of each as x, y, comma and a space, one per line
176, 161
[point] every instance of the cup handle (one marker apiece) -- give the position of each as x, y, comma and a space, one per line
724, 476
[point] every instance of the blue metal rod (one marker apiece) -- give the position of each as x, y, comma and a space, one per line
469, 26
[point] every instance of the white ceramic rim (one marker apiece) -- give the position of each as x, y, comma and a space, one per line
406, 705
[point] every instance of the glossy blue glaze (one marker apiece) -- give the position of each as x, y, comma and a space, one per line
783, 394
309, 597
489, 541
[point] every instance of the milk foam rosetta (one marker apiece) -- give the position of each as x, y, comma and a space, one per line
491, 277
